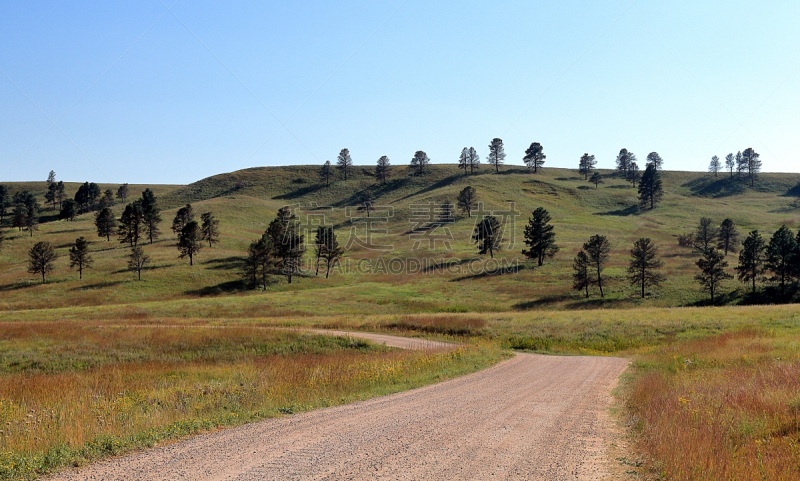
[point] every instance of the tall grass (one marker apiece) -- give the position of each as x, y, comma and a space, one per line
724, 407
85, 392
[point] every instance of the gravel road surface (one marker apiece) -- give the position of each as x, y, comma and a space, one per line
531, 417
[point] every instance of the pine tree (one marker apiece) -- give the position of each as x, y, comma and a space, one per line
487, 235
596, 179
644, 265
50, 196
586, 165
259, 262
87, 196
706, 235
184, 215
419, 163
534, 156
539, 237
581, 278
473, 160
325, 172
730, 163
751, 259
655, 160
41, 259
712, 271
382, 169
752, 164
781, 256
105, 223
463, 160
189, 241
287, 242
209, 229
3, 204
69, 209
633, 173
137, 260
467, 200
151, 214
344, 161
597, 249
728, 236
496, 153
741, 164
79, 256
122, 192
131, 224
107, 200
623, 163
32, 217
650, 188
715, 165
326, 248
366, 199
61, 194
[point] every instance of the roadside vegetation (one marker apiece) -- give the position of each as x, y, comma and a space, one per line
71, 393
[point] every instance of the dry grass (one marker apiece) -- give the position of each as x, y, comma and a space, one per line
71, 393
725, 407
437, 324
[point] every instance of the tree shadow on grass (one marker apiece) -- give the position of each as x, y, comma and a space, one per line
631, 210
541, 302
499, 271
66, 231
721, 299
225, 263
220, 289
301, 192
98, 285
446, 264
145, 269
437, 185
596, 303
513, 170
15, 286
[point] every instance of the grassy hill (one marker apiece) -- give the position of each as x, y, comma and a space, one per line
246, 201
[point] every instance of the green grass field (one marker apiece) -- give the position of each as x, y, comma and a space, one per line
55, 332
246, 201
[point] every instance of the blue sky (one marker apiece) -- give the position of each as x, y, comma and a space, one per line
152, 92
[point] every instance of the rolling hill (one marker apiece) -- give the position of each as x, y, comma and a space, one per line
373, 281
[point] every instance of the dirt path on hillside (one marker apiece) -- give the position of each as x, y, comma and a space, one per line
531, 417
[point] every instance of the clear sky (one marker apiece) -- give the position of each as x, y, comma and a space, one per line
150, 92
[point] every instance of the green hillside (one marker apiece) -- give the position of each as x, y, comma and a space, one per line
246, 201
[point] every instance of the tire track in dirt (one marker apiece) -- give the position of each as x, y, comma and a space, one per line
530, 417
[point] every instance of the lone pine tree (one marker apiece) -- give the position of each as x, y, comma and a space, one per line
644, 265
79, 256
41, 259
539, 237
487, 235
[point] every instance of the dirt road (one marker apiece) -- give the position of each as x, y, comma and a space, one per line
531, 417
